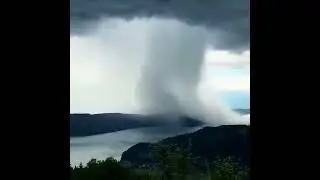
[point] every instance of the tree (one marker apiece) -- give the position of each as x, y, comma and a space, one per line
174, 162
228, 169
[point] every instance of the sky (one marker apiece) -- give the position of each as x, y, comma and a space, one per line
105, 71
228, 20
230, 74
168, 52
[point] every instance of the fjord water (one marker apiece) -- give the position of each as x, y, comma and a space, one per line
82, 149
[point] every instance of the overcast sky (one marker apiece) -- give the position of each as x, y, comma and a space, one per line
106, 67
108, 47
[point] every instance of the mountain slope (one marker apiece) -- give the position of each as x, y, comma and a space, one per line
207, 143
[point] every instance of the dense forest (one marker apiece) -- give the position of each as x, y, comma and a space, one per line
170, 163
211, 153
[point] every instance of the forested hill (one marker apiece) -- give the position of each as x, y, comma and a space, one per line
207, 144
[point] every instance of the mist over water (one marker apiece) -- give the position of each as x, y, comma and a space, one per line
144, 65
151, 64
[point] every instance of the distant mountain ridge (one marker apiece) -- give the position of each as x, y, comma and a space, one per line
92, 124
242, 111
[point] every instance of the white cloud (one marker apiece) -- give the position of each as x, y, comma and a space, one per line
226, 71
240, 83
228, 59
99, 82
213, 83
105, 68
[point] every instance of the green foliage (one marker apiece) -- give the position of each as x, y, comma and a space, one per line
171, 163
101, 170
174, 162
228, 169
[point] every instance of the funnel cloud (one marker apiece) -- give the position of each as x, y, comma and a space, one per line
171, 73
156, 49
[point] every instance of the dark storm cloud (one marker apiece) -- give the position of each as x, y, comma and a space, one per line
173, 52
228, 20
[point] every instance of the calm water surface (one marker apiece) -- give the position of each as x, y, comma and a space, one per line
82, 149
